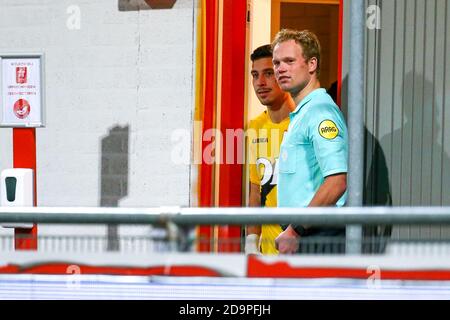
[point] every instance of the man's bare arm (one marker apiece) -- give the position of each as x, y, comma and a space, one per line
254, 201
329, 193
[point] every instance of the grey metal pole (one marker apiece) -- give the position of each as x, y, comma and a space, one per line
332, 216
356, 120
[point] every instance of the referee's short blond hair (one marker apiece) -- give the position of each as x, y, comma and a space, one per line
306, 39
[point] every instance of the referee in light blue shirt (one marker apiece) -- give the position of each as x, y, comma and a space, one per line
313, 159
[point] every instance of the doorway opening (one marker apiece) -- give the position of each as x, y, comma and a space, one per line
320, 17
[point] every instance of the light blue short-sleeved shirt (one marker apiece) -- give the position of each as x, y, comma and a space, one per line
314, 147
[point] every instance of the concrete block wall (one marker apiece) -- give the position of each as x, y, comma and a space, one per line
106, 69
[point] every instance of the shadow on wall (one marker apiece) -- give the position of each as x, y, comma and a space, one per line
135, 5
377, 192
420, 164
377, 189
114, 175
420, 159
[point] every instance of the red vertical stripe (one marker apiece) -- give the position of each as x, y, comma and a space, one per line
205, 233
206, 196
232, 115
24, 150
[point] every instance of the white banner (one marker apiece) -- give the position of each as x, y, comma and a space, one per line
21, 92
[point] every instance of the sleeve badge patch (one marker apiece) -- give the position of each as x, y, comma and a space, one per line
328, 129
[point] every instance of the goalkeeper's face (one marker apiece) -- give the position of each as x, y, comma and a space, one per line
264, 83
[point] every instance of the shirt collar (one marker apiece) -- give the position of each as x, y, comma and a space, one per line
308, 98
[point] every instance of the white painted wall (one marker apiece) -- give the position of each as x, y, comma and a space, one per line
259, 35
119, 68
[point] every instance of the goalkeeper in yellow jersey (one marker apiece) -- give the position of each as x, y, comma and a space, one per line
265, 134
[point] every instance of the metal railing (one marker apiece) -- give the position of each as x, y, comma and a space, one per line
177, 223
224, 216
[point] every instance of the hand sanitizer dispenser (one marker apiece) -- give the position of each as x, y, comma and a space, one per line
17, 190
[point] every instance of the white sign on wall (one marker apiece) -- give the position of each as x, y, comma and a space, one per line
21, 91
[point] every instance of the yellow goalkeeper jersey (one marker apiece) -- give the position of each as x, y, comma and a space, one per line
264, 139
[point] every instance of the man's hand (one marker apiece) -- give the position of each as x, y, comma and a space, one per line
288, 241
